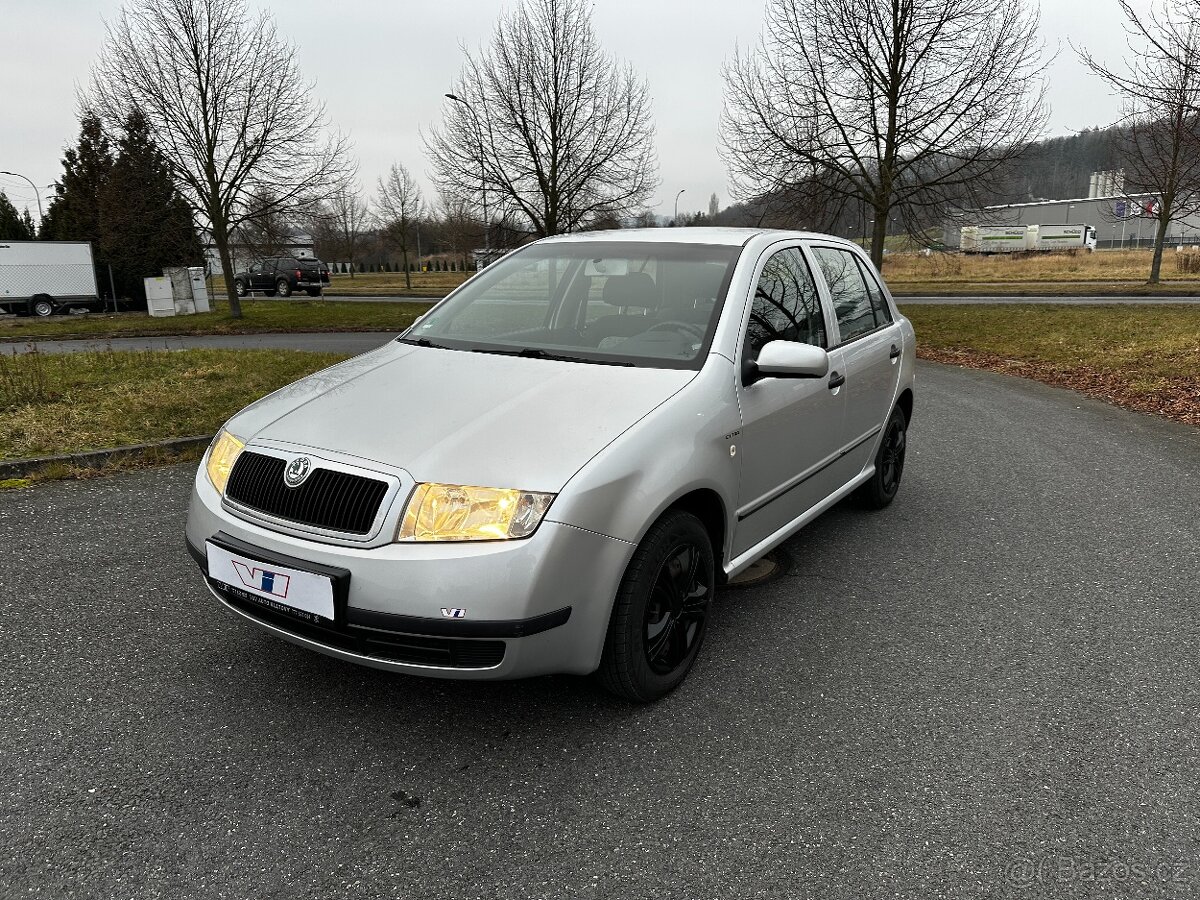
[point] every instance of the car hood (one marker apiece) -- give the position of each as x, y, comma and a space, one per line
460, 417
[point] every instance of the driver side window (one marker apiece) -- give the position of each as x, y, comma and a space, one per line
786, 305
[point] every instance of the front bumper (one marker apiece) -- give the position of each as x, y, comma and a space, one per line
534, 606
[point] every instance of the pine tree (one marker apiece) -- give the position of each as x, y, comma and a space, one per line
74, 213
145, 223
12, 226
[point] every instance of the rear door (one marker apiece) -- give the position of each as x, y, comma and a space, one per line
285, 269
871, 343
791, 427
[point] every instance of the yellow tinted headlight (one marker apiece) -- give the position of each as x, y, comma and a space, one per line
221, 457
455, 512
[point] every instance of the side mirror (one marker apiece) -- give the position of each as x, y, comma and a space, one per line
790, 359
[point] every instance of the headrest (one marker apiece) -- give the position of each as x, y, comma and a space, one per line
634, 289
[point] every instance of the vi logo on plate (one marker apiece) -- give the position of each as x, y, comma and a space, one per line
264, 580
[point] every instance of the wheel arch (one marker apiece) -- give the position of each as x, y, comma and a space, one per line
707, 506
905, 402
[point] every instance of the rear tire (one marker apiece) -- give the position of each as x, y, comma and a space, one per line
43, 307
661, 610
889, 464
283, 287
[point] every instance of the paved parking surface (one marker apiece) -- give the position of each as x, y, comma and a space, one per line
988, 690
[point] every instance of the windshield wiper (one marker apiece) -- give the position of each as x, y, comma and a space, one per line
539, 353
423, 342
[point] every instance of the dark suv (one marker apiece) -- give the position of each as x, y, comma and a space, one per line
282, 275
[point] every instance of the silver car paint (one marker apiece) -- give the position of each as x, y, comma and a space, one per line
469, 418
642, 440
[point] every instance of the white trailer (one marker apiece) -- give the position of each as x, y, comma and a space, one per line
1066, 237
1017, 238
41, 278
997, 238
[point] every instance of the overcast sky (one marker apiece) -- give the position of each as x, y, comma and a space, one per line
382, 67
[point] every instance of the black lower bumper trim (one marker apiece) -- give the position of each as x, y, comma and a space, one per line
477, 628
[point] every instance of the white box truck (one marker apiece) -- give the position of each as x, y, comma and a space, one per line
1066, 237
997, 238
1017, 238
40, 278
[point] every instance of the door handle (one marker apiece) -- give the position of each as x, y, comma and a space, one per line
895, 352
836, 380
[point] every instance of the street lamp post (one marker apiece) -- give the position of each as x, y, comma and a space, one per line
487, 225
677, 196
35, 192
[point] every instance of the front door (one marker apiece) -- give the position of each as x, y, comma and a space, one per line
791, 427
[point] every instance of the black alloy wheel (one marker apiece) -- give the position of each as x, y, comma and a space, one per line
889, 463
678, 606
661, 610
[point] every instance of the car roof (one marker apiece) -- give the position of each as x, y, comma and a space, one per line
732, 237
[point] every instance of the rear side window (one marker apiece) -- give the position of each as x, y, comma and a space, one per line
879, 306
851, 300
786, 304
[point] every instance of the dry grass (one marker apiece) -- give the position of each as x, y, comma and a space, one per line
53, 404
1106, 266
1145, 358
383, 284
257, 316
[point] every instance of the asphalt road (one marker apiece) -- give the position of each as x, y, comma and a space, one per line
988, 690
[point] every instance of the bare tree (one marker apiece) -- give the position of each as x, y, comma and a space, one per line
341, 223
545, 125
905, 105
399, 208
263, 229
1158, 142
457, 228
227, 106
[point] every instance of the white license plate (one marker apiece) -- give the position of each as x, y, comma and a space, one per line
276, 587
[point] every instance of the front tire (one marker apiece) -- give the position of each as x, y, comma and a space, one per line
283, 287
239, 288
889, 463
661, 610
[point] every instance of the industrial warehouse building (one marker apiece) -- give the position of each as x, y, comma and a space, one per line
1121, 220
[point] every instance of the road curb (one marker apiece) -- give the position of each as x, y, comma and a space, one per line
95, 459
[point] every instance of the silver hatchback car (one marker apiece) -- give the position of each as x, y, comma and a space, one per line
554, 469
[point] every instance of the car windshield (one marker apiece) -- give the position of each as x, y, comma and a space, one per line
617, 302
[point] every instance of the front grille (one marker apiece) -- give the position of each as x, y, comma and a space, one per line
450, 653
328, 499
